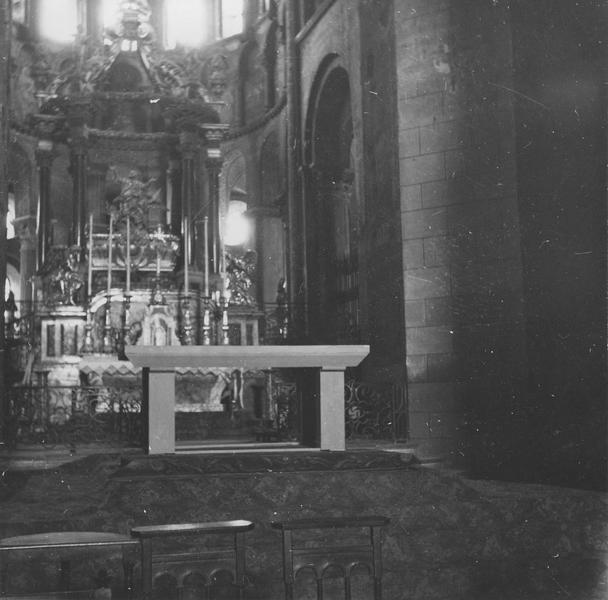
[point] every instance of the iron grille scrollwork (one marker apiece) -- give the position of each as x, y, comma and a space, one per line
73, 416
375, 411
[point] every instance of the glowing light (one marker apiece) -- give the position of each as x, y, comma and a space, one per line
59, 20
10, 217
185, 23
109, 12
232, 17
236, 226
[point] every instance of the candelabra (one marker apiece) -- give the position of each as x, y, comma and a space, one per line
125, 326
87, 346
206, 322
159, 245
215, 309
226, 301
187, 334
157, 293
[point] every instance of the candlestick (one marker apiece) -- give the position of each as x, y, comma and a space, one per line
87, 347
108, 347
125, 327
187, 337
186, 256
90, 265
222, 253
169, 187
110, 256
225, 328
128, 256
206, 325
206, 258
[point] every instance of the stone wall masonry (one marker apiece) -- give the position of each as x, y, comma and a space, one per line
560, 119
460, 224
358, 36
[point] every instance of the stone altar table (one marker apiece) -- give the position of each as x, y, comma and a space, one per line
159, 364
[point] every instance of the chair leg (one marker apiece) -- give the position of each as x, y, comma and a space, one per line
377, 588
288, 591
347, 588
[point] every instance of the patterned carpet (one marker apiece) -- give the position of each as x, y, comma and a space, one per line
449, 537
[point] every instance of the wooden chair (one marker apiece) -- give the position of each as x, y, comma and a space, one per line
61, 542
185, 568
298, 556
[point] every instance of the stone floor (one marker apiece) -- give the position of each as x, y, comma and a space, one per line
449, 538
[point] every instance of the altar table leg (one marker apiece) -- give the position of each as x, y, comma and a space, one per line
332, 410
161, 412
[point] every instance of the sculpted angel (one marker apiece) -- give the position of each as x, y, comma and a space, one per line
135, 199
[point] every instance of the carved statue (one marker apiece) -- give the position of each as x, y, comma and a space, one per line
64, 280
241, 271
217, 68
135, 199
134, 333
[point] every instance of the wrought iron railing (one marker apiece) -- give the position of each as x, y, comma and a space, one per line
73, 416
376, 411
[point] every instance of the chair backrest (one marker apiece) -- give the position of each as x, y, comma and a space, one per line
202, 565
343, 555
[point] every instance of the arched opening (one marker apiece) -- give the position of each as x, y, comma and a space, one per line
332, 231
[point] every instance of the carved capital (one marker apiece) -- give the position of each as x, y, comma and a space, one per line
45, 153
188, 144
214, 133
49, 127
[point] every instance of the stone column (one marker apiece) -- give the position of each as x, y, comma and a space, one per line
214, 167
171, 198
96, 183
77, 118
5, 77
213, 135
25, 228
188, 147
78, 170
296, 272
44, 159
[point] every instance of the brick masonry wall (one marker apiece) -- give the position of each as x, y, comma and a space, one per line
460, 225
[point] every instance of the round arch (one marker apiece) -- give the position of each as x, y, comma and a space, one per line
331, 208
